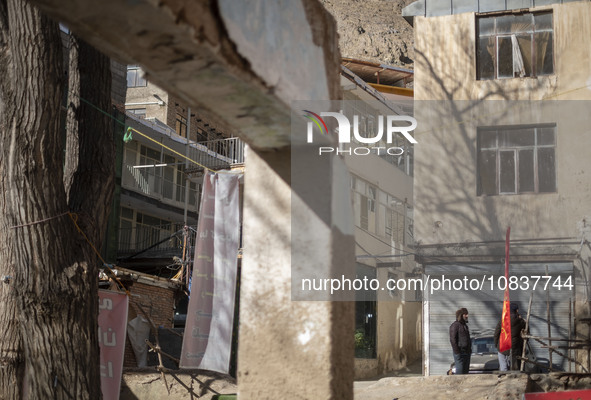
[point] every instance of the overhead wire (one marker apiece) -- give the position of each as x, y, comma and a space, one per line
406, 253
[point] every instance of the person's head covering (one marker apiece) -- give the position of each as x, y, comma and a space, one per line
514, 308
461, 312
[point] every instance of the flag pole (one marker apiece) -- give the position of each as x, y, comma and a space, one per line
505, 339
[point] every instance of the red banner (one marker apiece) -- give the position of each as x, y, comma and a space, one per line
112, 323
568, 395
505, 339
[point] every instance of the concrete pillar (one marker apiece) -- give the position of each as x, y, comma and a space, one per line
289, 349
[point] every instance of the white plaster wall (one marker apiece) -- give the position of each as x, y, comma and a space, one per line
447, 207
146, 95
445, 59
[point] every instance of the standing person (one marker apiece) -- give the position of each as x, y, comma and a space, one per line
505, 356
517, 325
459, 337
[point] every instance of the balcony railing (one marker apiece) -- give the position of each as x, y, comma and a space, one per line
214, 154
218, 154
153, 241
158, 183
148, 241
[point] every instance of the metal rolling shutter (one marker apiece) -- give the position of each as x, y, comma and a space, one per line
485, 308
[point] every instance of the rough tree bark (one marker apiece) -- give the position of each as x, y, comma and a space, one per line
48, 311
89, 172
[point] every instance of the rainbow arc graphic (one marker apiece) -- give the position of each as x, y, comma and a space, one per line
317, 119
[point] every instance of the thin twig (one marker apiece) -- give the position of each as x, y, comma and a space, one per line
158, 349
190, 390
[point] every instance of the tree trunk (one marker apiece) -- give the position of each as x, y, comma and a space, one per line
89, 173
48, 311
11, 357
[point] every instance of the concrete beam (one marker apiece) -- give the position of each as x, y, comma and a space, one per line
241, 62
495, 252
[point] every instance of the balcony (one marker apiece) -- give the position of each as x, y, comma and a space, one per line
147, 241
161, 174
159, 183
214, 154
218, 154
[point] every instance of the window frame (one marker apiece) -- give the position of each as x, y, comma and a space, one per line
516, 149
138, 79
180, 126
496, 35
381, 213
138, 112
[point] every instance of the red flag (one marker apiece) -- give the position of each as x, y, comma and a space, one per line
505, 339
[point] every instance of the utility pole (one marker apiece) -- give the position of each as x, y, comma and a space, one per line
186, 238
187, 182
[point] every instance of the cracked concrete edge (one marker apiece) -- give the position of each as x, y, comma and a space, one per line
185, 48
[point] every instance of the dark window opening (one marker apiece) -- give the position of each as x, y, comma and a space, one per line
181, 125
365, 316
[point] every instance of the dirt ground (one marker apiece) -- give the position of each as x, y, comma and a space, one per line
374, 30
469, 387
148, 385
456, 387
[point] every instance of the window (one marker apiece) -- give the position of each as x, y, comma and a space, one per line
516, 45
368, 205
379, 212
181, 125
516, 159
139, 231
135, 77
138, 112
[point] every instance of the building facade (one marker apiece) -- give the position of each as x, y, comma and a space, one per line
482, 166
387, 323
162, 162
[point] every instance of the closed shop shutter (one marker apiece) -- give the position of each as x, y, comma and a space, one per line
485, 307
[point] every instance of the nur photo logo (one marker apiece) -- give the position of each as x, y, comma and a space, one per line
387, 127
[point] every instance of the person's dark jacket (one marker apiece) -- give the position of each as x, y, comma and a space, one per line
517, 325
459, 337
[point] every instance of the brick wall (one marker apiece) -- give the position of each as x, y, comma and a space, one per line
158, 302
118, 83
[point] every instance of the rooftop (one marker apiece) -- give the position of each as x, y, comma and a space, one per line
434, 8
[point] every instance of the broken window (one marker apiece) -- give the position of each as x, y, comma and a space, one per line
515, 46
516, 159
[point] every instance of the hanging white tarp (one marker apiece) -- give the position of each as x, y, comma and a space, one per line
208, 331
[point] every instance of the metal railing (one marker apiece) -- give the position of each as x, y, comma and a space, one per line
152, 241
214, 154
218, 154
158, 183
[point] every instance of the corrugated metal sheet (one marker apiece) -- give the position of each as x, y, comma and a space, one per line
485, 308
